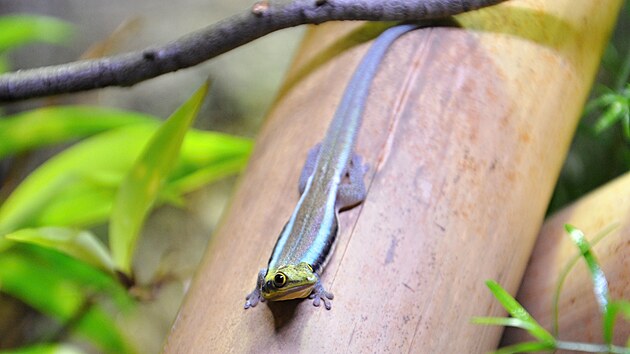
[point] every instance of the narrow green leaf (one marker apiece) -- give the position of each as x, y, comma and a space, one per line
80, 244
17, 30
23, 265
600, 285
60, 287
201, 176
52, 348
601, 101
141, 187
610, 317
504, 321
611, 115
52, 125
517, 311
526, 347
565, 272
206, 157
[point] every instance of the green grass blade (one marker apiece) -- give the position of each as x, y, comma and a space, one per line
610, 316
18, 30
505, 322
140, 188
564, 274
80, 244
52, 125
517, 311
526, 347
600, 285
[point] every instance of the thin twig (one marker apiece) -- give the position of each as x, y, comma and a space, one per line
263, 18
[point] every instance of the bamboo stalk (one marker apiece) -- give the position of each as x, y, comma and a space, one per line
465, 133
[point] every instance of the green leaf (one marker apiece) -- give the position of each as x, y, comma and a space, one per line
610, 316
18, 30
517, 311
206, 157
504, 321
602, 101
140, 189
76, 188
52, 125
526, 347
53, 348
79, 172
65, 289
611, 115
562, 277
80, 244
98, 326
600, 285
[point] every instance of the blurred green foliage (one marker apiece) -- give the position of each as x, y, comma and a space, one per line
123, 165
81, 187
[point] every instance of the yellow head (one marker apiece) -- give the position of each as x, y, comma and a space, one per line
289, 282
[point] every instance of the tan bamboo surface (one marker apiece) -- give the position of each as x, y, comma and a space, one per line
465, 133
605, 211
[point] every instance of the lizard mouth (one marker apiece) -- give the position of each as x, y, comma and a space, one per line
296, 292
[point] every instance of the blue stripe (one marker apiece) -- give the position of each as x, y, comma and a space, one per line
312, 240
288, 229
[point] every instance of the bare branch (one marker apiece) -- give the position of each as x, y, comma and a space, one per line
263, 18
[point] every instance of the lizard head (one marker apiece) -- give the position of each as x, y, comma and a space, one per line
289, 282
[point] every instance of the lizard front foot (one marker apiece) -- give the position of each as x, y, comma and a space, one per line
253, 299
320, 294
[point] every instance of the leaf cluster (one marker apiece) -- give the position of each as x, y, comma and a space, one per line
122, 166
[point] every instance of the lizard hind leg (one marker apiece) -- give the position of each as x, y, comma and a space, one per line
352, 191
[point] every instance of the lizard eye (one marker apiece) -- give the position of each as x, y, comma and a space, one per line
279, 280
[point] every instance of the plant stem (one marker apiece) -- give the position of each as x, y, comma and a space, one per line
591, 348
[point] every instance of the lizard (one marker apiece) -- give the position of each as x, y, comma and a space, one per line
331, 181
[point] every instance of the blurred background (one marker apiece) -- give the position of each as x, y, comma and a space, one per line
135, 314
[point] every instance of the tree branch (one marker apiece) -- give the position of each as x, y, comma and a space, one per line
263, 18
